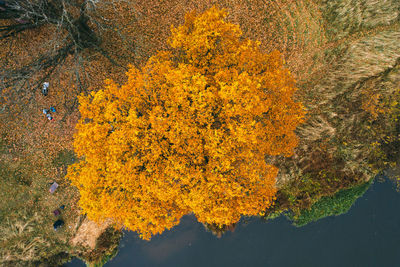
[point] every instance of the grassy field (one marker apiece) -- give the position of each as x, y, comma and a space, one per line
351, 99
27, 237
26, 218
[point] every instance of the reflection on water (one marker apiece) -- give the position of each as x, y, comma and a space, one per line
159, 252
369, 235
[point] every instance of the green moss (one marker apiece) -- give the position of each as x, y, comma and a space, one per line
273, 215
106, 258
300, 193
106, 248
64, 158
338, 204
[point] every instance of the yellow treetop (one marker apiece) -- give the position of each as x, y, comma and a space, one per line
187, 133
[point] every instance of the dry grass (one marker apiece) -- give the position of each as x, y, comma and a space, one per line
88, 233
338, 128
345, 17
19, 241
26, 219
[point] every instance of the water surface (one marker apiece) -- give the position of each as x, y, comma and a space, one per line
368, 235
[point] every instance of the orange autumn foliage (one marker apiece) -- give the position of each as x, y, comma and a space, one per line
188, 132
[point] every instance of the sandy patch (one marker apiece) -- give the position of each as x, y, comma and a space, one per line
88, 233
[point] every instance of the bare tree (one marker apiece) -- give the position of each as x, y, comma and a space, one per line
77, 29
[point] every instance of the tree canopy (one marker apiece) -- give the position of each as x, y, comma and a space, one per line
188, 132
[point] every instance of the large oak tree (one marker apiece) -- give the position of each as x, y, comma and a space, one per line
188, 132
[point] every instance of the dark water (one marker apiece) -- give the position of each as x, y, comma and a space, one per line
368, 235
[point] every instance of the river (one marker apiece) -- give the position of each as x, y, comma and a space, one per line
368, 235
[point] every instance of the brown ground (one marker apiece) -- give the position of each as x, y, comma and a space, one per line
87, 233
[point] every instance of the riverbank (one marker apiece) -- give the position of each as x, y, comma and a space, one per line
367, 235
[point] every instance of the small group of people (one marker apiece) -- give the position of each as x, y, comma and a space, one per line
47, 112
57, 212
57, 224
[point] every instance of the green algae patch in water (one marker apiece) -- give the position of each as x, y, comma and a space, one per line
335, 205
